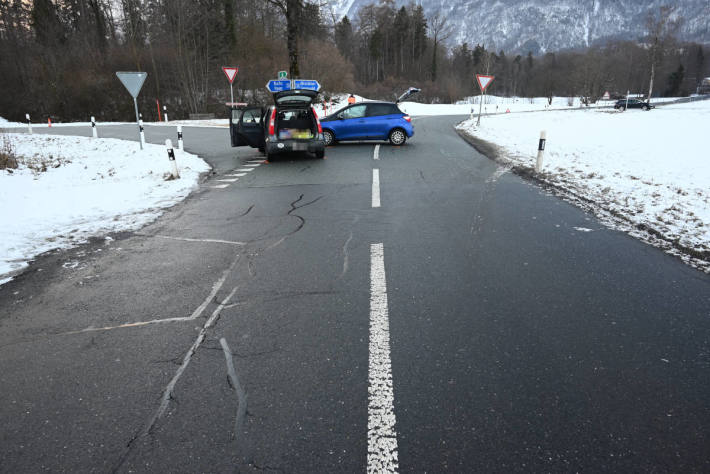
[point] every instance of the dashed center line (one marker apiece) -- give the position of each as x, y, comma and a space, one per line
376, 156
375, 188
228, 180
382, 456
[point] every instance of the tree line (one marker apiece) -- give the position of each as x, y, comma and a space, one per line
59, 57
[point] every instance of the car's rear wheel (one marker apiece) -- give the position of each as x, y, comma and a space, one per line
622, 108
397, 137
646, 107
328, 137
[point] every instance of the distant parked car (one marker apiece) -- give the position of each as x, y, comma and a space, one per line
289, 125
633, 104
370, 121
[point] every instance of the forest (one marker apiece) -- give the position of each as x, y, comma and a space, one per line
58, 58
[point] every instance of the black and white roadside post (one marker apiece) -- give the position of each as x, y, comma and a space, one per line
231, 73
140, 128
171, 157
133, 81
540, 151
483, 82
179, 132
165, 113
93, 127
29, 123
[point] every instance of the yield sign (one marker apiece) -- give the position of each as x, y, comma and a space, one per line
133, 81
231, 72
484, 81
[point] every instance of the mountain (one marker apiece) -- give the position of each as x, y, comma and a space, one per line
540, 26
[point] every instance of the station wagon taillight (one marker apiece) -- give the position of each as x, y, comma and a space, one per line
407, 118
272, 122
320, 129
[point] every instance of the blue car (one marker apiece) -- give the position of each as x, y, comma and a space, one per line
369, 121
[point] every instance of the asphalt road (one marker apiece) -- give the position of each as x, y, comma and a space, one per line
234, 333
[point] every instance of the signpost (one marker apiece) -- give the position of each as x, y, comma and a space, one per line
133, 81
279, 85
283, 75
309, 84
483, 83
231, 73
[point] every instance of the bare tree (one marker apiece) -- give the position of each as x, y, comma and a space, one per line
440, 31
291, 10
661, 29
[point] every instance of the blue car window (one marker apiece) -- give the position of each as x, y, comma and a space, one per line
356, 111
374, 110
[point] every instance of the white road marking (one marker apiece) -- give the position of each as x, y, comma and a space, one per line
228, 180
252, 165
256, 161
219, 186
381, 434
186, 239
238, 175
375, 188
376, 156
244, 170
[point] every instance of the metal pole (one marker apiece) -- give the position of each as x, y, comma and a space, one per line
480, 109
627, 99
179, 133
540, 151
135, 104
231, 92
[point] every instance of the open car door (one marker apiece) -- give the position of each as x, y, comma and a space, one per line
410, 92
246, 127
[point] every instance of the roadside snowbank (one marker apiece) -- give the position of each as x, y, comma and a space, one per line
649, 169
67, 189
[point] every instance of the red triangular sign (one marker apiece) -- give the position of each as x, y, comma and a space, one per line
484, 81
231, 73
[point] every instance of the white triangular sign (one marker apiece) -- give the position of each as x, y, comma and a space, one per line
483, 81
231, 73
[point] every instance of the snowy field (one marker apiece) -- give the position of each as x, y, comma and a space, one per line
647, 173
67, 189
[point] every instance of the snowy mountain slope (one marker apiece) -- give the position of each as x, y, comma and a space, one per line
540, 26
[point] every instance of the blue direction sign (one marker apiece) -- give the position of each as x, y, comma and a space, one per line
308, 84
278, 86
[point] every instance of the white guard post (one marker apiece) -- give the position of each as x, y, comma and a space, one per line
165, 112
171, 157
93, 127
140, 127
540, 151
179, 132
29, 124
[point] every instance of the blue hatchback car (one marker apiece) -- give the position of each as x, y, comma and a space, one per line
369, 121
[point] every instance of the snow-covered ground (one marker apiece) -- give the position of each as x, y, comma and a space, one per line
647, 173
67, 189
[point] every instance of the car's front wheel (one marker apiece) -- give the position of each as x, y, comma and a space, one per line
320, 154
646, 108
622, 108
397, 137
328, 137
